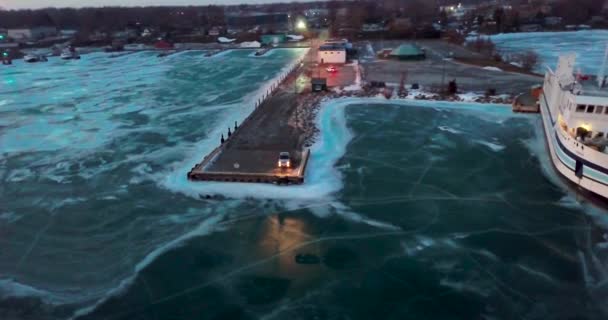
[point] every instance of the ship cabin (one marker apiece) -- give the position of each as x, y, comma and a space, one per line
579, 103
583, 112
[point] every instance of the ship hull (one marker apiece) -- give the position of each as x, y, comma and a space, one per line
567, 158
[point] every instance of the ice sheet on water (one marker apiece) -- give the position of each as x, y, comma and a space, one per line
87, 128
9, 217
589, 46
205, 227
12, 288
450, 130
496, 147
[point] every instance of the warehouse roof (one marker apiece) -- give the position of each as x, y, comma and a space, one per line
407, 50
330, 47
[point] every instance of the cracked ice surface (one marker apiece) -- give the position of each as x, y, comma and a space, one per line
411, 205
589, 46
80, 142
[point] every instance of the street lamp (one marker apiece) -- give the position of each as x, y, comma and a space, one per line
301, 25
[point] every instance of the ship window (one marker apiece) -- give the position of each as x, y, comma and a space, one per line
599, 109
590, 109
605, 110
580, 108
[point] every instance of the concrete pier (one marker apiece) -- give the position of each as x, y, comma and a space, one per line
251, 152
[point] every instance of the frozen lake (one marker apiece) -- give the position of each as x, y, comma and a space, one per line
589, 46
407, 206
85, 149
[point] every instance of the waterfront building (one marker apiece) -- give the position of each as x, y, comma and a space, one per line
331, 54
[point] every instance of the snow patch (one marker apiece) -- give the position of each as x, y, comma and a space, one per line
492, 69
357, 85
469, 96
250, 44
450, 130
492, 145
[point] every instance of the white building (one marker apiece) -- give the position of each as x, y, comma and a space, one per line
331, 54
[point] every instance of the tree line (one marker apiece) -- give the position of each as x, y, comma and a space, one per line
359, 12
113, 18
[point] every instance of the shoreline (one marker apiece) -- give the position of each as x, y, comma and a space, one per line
310, 127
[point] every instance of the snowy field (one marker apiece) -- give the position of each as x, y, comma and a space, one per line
589, 46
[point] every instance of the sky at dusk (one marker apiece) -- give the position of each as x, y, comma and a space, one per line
31, 4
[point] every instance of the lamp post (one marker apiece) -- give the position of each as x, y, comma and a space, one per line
301, 27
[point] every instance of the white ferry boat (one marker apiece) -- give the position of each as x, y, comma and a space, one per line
574, 110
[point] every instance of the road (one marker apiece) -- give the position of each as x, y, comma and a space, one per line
439, 69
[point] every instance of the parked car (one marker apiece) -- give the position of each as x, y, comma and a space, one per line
284, 160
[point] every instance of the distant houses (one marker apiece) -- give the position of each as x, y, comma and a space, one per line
31, 34
262, 21
214, 31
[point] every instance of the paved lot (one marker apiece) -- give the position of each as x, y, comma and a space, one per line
438, 69
345, 75
257, 144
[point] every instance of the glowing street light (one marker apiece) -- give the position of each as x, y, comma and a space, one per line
301, 25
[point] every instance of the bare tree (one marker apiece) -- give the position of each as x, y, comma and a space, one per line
483, 45
529, 60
